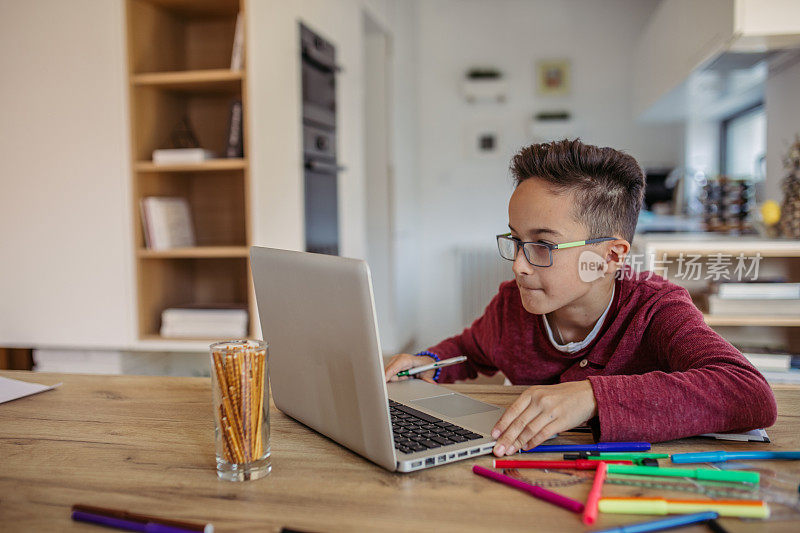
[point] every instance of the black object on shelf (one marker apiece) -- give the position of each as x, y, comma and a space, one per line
235, 146
484, 74
657, 187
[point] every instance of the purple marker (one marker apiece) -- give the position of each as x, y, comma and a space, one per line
128, 525
108, 521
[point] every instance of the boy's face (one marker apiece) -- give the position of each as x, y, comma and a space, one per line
536, 213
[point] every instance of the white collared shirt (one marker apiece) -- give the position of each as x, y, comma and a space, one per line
572, 347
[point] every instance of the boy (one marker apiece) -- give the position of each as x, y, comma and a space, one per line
629, 353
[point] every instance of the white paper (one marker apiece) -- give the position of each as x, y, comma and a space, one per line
11, 389
756, 435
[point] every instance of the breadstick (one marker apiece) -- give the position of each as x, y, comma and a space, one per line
245, 405
237, 451
253, 375
224, 421
261, 384
226, 447
233, 393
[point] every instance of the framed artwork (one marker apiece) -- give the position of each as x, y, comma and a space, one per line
553, 77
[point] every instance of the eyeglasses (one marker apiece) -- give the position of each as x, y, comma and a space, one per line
538, 254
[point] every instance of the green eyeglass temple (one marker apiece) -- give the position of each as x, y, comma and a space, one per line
580, 243
550, 247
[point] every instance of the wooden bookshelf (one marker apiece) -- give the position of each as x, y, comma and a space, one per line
179, 54
780, 258
196, 252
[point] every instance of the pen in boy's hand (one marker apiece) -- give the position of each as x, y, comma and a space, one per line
433, 366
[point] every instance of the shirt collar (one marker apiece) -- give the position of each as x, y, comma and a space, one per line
572, 347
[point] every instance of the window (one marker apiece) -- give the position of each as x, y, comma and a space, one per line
743, 143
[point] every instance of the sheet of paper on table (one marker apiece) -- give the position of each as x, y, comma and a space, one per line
12, 389
756, 435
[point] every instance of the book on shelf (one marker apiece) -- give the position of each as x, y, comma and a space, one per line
178, 156
193, 321
777, 366
756, 290
237, 54
167, 223
769, 362
235, 146
791, 376
753, 306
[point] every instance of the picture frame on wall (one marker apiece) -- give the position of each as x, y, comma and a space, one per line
553, 77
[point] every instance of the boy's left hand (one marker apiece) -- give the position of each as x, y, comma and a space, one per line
542, 411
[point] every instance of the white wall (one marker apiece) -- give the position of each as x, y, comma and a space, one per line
464, 200
66, 265
390, 167
275, 122
405, 120
783, 122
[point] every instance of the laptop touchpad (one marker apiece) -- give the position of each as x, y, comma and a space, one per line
454, 405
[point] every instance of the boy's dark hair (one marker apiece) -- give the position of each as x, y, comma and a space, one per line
608, 184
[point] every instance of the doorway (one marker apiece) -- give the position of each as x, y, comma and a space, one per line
378, 173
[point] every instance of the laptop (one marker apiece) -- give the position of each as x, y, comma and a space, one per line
326, 370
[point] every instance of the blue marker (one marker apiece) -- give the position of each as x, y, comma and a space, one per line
665, 523
721, 457
599, 447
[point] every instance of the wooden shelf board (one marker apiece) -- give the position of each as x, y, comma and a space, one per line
211, 80
171, 344
206, 166
159, 343
194, 344
711, 243
791, 250
767, 320
199, 7
199, 252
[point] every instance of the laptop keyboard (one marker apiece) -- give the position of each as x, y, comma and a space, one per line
415, 431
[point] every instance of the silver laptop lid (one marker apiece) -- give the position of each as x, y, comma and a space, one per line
318, 317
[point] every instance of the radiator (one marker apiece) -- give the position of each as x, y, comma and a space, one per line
480, 273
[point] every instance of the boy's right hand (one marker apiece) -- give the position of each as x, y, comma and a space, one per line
405, 361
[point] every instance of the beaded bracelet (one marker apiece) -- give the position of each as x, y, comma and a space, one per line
435, 358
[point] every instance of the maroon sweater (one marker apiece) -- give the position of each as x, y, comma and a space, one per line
657, 370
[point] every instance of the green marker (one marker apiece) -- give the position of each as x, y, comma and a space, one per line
617, 456
695, 473
636, 457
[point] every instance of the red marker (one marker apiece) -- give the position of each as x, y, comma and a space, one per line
578, 464
590, 509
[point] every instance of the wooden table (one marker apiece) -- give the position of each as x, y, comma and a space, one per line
145, 444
